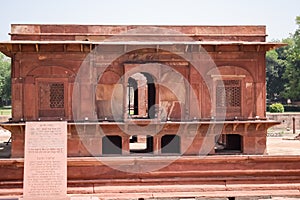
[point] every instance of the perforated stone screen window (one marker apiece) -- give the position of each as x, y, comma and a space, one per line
51, 99
228, 96
56, 95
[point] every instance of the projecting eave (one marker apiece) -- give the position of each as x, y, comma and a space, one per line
10, 47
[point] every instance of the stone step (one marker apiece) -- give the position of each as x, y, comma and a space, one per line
175, 191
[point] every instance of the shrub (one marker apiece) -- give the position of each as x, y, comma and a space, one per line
276, 108
291, 108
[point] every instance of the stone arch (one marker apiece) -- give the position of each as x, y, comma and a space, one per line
53, 70
141, 86
171, 88
228, 70
245, 88
47, 89
109, 77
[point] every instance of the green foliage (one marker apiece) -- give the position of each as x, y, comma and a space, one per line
276, 108
292, 72
291, 108
5, 111
283, 69
288, 108
275, 69
298, 20
5, 79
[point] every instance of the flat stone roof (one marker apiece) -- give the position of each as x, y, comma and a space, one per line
72, 32
251, 37
80, 29
9, 47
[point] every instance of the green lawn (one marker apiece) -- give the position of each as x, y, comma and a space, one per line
6, 111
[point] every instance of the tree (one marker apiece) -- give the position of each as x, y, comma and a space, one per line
5, 79
298, 20
292, 72
276, 66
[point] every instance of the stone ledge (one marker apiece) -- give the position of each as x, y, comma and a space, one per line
174, 191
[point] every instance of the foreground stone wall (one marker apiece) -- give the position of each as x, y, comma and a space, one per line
286, 120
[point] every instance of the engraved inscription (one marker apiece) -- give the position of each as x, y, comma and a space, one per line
45, 170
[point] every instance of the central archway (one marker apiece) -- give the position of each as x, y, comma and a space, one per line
141, 96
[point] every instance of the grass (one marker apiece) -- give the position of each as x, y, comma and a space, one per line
5, 111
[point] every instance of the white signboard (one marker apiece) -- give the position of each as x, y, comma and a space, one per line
45, 170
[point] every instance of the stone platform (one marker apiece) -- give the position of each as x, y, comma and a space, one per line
187, 177
254, 177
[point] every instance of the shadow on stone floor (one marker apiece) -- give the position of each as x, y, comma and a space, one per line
5, 150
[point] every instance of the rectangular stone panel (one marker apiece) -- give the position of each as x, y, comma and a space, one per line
45, 164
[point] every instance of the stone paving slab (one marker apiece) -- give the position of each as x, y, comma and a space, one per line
284, 145
4, 135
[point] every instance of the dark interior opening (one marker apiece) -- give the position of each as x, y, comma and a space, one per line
233, 142
151, 101
170, 144
133, 139
229, 143
112, 145
133, 88
135, 83
141, 144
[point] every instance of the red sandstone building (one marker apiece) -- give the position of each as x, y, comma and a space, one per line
188, 90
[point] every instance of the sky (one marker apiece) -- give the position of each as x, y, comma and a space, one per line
278, 15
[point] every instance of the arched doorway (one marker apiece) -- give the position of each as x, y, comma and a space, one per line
141, 95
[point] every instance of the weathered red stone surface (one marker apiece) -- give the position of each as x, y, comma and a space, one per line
46, 61
100, 32
52, 55
215, 176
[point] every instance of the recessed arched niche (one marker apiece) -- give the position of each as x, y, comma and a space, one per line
109, 97
233, 92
